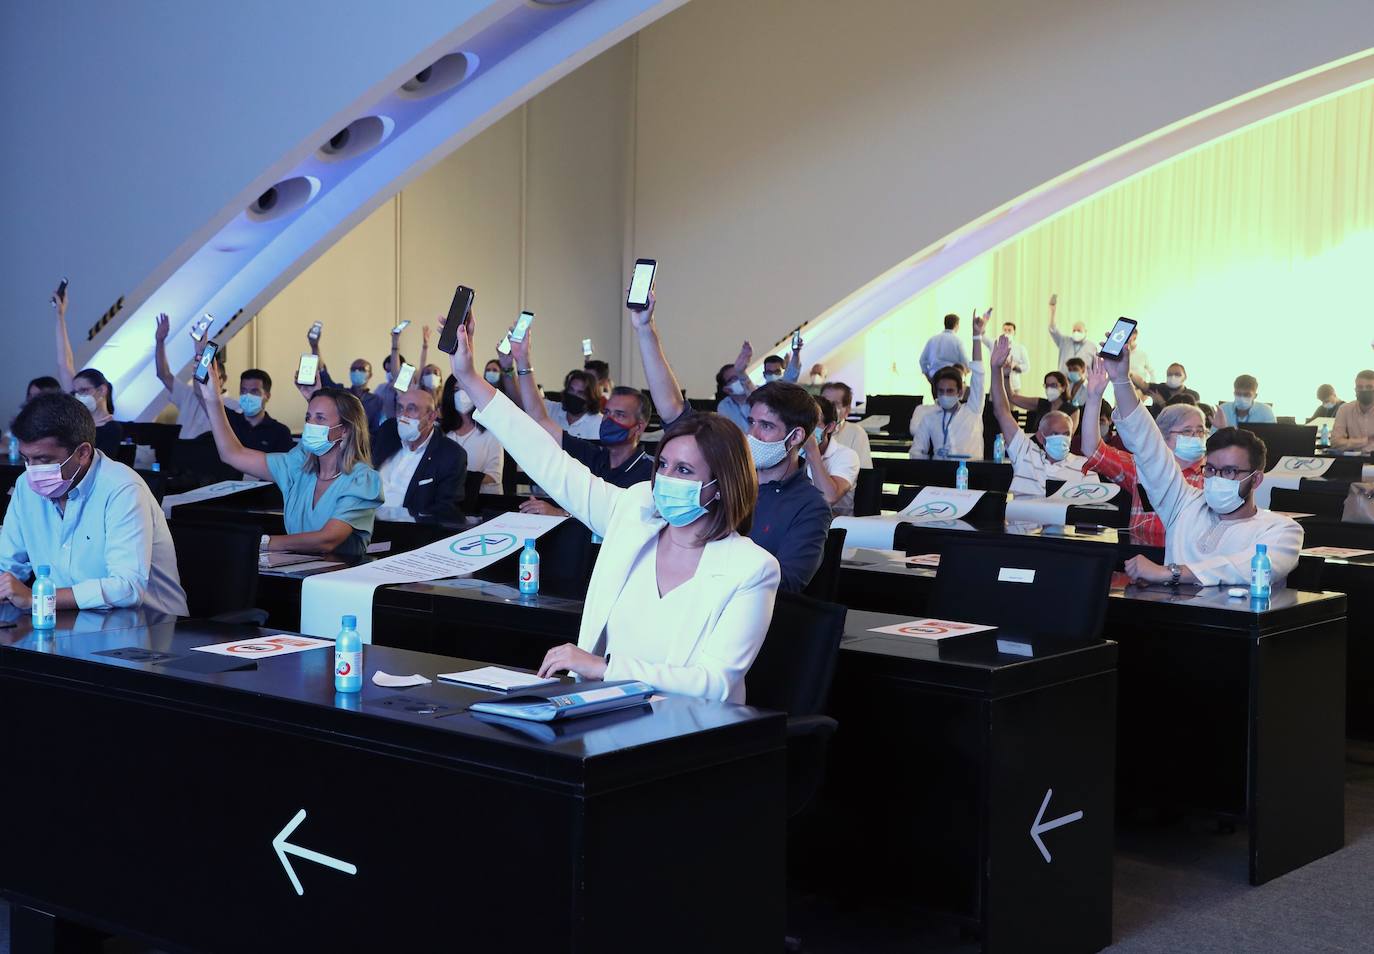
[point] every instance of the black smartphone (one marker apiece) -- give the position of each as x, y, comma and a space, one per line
207, 359
458, 313
1116, 341
314, 333
61, 293
640, 283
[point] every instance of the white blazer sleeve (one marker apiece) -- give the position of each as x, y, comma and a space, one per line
590, 499
722, 658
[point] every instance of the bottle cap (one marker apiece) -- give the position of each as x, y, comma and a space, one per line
1261, 548
43, 569
350, 622
529, 543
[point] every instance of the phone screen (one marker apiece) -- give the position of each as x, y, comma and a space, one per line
458, 313
314, 333
504, 346
401, 327
405, 377
586, 347
201, 326
310, 365
640, 283
796, 340
1116, 341
522, 325
207, 358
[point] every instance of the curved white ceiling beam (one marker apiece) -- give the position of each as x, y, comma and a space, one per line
250, 251
837, 326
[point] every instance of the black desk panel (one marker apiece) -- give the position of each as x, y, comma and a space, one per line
258, 811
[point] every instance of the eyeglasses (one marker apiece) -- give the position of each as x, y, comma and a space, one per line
1228, 473
1191, 432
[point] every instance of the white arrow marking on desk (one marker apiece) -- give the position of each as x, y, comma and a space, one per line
283, 848
1038, 828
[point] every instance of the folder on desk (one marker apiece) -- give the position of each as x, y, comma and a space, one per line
283, 558
588, 699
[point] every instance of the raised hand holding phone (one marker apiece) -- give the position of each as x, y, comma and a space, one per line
59, 297
641, 317
459, 318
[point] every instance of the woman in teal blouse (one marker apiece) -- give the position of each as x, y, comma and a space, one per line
329, 490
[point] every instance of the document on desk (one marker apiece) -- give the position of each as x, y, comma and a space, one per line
1339, 553
1288, 474
328, 596
209, 492
932, 630
281, 645
496, 679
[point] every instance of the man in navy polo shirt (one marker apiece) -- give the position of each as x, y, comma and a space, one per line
792, 517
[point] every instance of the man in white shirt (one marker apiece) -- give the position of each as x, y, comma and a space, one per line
1047, 457
421, 472
190, 408
951, 428
1073, 345
944, 350
578, 412
1210, 534
1019, 362
838, 470
850, 435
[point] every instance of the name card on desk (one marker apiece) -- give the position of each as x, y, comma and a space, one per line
1015, 574
1289, 473
941, 503
932, 630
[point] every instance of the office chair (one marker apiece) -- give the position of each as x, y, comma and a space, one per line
156, 482
472, 488
1015, 581
218, 566
826, 582
868, 492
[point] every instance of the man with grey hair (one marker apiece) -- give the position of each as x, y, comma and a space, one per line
1184, 430
1047, 457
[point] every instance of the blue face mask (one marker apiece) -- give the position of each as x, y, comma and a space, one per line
359, 378
1190, 449
315, 439
1057, 446
250, 405
1075, 377
679, 501
1244, 402
613, 432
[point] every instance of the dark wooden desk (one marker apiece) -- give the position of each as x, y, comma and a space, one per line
1224, 708
153, 803
949, 761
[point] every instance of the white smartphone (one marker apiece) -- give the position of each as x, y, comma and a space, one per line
504, 346
401, 327
1116, 341
640, 283
405, 377
314, 333
586, 347
308, 370
201, 327
522, 325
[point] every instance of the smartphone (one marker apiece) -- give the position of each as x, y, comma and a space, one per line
640, 283
796, 339
458, 313
405, 377
401, 327
61, 293
1116, 341
308, 370
504, 346
314, 333
586, 347
522, 325
207, 359
201, 327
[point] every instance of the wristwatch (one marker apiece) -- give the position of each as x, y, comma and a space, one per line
1176, 573
529, 370
262, 544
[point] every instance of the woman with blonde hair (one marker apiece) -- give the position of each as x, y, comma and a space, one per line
329, 490
680, 598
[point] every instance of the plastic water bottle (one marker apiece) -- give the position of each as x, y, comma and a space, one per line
1261, 573
1324, 438
348, 657
14, 449
529, 569
44, 599
999, 449
961, 476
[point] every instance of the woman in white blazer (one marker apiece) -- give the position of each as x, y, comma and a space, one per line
679, 598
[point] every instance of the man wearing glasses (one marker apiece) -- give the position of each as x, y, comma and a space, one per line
1210, 533
1185, 434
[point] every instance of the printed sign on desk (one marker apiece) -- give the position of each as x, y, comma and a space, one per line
941, 503
932, 629
265, 646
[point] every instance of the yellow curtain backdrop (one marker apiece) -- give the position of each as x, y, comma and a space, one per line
1253, 254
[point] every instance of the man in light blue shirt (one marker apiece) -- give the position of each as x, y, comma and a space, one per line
1244, 409
944, 350
89, 518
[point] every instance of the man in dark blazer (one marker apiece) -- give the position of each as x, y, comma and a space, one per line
422, 470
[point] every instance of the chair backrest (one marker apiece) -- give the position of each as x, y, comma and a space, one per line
1031, 585
1307, 575
1306, 501
982, 474
868, 492
157, 483
1285, 440
218, 564
162, 438
509, 474
794, 668
472, 487
826, 583
897, 407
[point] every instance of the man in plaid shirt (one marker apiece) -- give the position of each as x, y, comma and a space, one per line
1184, 430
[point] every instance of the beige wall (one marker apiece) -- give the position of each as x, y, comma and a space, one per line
536, 202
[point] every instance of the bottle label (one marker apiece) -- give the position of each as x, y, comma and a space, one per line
1260, 580
45, 607
529, 576
348, 665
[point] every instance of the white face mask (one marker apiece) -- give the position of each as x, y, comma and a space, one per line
1175, 380
430, 381
767, 454
408, 428
1052, 394
817, 379
87, 400
1078, 336
462, 402
1223, 494
735, 388
948, 402
769, 377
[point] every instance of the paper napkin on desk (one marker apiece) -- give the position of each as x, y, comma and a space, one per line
388, 681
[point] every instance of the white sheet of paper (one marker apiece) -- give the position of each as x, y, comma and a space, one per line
923, 559
1083, 493
280, 645
1293, 516
1342, 553
315, 565
326, 597
1288, 474
388, 681
383, 546
932, 629
874, 423
209, 492
941, 503
494, 677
